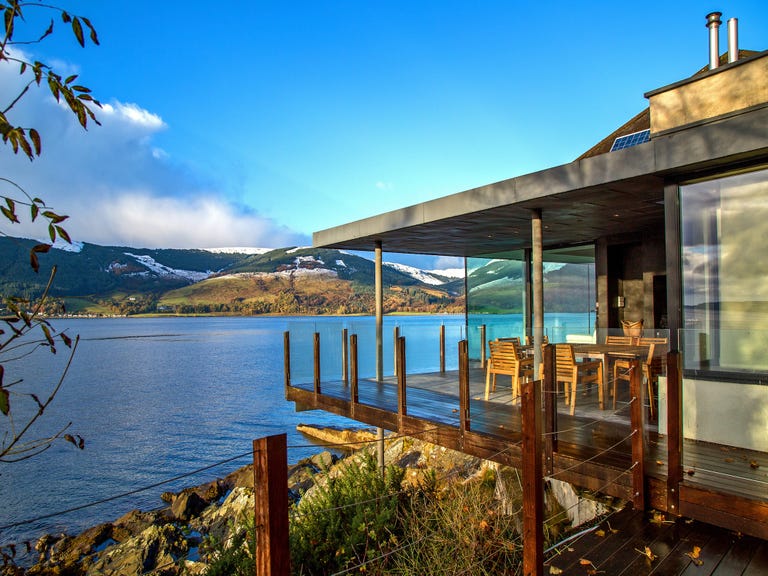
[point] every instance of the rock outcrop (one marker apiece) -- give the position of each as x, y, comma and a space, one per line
172, 540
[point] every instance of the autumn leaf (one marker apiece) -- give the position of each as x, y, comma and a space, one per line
648, 553
694, 555
555, 570
600, 532
753, 464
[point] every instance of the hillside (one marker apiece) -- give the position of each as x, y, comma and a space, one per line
123, 280
93, 279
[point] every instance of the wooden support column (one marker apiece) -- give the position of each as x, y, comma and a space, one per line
483, 344
270, 486
344, 356
395, 338
636, 422
537, 255
442, 348
533, 481
317, 362
287, 358
353, 389
674, 431
464, 416
379, 297
550, 409
402, 404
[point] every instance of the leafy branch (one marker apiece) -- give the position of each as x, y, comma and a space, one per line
77, 97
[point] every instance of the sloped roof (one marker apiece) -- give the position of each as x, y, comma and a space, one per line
643, 120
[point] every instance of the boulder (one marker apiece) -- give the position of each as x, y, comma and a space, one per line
187, 505
157, 549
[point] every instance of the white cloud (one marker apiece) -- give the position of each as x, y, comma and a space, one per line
117, 185
384, 185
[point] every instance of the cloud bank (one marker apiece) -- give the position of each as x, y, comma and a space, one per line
116, 185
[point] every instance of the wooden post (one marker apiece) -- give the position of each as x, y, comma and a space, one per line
287, 358
395, 338
353, 392
533, 481
482, 345
674, 431
464, 416
402, 404
317, 362
550, 409
636, 420
344, 356
442, 348
270, 486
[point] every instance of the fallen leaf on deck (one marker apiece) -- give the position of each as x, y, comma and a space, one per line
729, 460
455, 410
612, 530
694, 555
659, 518
585, 562
753, 464
690, 472
659, 462
648, 553
555, 570
600, 532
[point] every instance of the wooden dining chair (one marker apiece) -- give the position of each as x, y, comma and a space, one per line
529, 340
506, 359
572, 373
621, 340
621, 372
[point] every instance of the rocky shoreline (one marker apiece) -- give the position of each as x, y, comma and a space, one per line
175, 539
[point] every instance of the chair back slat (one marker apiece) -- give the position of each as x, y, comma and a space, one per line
624, 340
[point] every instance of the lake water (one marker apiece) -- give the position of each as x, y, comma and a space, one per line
158, 397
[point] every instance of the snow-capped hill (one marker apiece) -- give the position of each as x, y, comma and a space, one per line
417, 273
448, 272
239, 250
155, 267
75, 247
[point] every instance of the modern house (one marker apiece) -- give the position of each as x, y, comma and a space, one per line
668, 219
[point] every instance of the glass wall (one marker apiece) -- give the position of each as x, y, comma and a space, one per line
496, 296
725, 293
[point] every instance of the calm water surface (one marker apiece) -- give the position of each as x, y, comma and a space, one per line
153, 398
158, 397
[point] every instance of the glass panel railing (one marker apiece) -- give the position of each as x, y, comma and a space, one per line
725, 408
422, 334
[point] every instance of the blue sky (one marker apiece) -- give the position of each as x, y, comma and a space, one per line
257, 123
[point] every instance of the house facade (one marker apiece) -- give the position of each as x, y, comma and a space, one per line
664, 221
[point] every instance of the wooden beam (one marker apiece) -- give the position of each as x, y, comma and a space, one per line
270, 486
442, 348
636, 423
550, 410
344, 355
287, 358
402, 403
316, 355
533, 481
674, 431
464, 416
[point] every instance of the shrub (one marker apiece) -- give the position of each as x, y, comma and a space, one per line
348, 520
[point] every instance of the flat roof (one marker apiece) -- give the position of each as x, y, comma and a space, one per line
611, 194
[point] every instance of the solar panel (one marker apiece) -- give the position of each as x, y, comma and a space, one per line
631, 140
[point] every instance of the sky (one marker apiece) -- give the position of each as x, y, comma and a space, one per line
256, 123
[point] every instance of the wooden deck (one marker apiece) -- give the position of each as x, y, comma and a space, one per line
721, 485
634, 543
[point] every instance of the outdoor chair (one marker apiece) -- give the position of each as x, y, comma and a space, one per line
621, 372
623, 340
572, 373
506, 359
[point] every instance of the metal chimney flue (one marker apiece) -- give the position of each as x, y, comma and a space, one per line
733, 39
713, 23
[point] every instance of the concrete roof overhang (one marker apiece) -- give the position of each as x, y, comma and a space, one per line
615, 193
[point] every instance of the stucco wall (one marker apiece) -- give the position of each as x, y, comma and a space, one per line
725, 90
